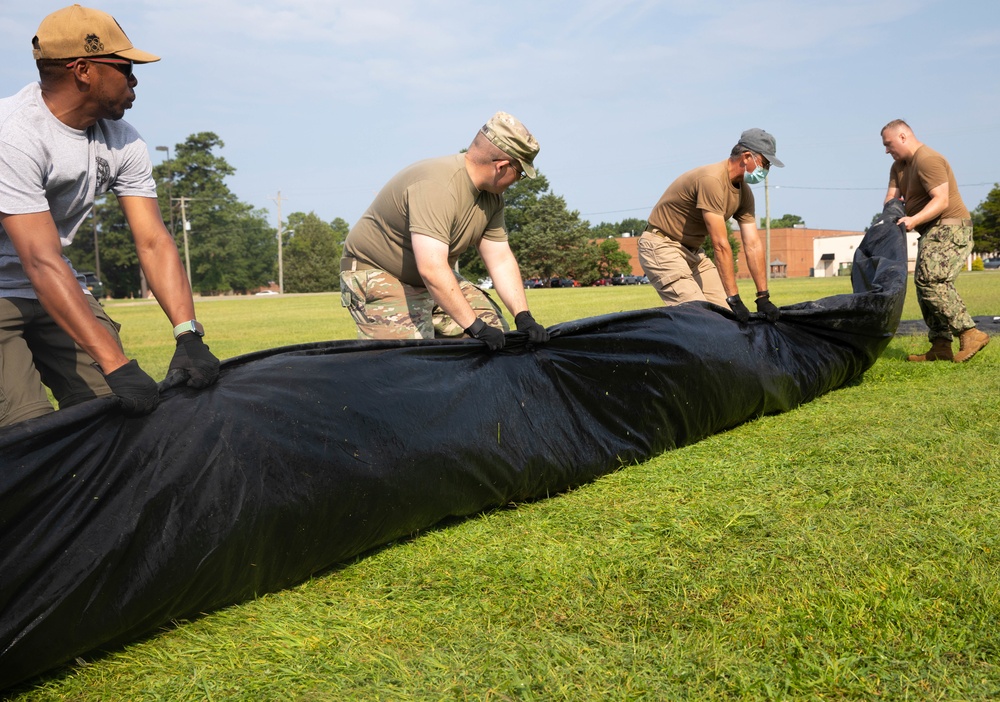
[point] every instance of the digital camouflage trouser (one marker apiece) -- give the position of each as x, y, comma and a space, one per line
384, 307
941, 254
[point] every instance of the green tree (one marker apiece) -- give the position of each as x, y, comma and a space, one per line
786, 221
231, 245
603, 259
630, 225
986, 223
104, 244
553, 241
311, 256
734, 244
518, 198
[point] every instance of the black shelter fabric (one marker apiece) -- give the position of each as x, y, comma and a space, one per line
304, 456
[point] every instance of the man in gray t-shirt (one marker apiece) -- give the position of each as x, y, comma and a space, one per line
62, 143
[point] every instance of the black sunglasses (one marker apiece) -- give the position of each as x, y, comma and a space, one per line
123, 66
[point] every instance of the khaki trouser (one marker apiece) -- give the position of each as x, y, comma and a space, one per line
383, 307
679, 273
35, 352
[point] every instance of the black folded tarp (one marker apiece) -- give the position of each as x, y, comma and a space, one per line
302, 457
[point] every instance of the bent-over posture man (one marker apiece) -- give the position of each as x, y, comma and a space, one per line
62, 143
924, 180
398, 275
697, 205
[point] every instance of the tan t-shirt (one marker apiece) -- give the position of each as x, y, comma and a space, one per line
678, 214
916, 177
436, 198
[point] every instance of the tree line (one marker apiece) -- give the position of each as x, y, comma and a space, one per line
230, 247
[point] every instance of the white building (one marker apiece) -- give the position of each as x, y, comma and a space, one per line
833, 255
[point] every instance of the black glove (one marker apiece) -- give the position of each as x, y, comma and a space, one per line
136, 391
766, 307
526, 323
492, 337
193, 357
738, 308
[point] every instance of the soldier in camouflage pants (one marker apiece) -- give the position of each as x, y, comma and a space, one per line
941, 254
398, 272
386, 308
924, 180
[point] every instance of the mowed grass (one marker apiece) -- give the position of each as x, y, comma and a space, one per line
848, 549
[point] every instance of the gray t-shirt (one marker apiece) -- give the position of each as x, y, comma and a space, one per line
48, 166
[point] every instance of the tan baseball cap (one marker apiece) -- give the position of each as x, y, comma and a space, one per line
510, 136
79, 32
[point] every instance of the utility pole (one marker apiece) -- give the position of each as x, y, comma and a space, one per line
281, 267
185, 226
767, 229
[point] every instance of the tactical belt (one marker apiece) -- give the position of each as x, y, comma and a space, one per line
956, 222
658, 232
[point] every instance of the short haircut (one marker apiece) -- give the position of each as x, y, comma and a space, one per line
50, 70
483, 151
896, 124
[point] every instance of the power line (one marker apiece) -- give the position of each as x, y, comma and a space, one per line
807, 187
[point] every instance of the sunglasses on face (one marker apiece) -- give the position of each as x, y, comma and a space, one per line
123, 66
518, 168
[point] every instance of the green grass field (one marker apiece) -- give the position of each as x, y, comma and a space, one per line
848, 549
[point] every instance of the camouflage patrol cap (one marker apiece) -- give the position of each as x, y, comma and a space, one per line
510, 136
79, 32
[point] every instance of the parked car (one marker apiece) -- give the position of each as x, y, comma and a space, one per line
562, 283
94, 284
533, 283
991, 263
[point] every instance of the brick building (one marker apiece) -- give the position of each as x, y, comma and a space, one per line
792, 253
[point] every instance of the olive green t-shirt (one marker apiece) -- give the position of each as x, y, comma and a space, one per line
435, 198
678, 214
916, 177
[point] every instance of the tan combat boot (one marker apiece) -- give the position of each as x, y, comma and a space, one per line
969, 343
940, 350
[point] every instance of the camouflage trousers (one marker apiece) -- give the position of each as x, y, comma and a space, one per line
941, 254
384, 307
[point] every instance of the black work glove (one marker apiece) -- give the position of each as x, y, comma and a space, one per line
766, 307
526, 323
136, 391
738, 308
492, 337
193, 357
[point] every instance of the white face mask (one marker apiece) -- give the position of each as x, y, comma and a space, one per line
757, 175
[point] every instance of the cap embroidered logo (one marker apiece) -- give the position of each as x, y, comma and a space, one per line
93, 44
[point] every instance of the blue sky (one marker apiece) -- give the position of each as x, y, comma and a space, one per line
324, 100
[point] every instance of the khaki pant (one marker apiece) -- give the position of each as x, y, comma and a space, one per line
384, 307
35, 352
679, 273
